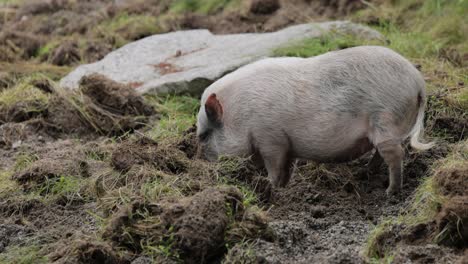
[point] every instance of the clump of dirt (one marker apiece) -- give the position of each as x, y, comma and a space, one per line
21, 103
6, 79
100, 106
244, 170
194, 228
96, 50
147, 151
189, 143
42, 174
453, 181
25, 45
12, 134
422, 254
264, 7
87, 251
452, 222
113, 96
66, 53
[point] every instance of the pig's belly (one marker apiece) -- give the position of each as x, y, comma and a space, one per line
344, 141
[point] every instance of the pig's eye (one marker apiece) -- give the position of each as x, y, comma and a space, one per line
204, 136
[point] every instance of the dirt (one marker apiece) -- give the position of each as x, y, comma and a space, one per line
325, 214
196, 227
66, 54
36, 23
143, 201
267, 16
453, 181
452, 222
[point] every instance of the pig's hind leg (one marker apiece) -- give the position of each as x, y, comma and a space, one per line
392, 153
279, 165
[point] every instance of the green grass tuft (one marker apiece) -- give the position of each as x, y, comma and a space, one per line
24, 93
203, 6
23, 160
178, 113
23, 255
316, 46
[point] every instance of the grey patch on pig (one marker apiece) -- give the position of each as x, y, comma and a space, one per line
330, 108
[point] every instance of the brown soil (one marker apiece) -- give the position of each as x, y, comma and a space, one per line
323, 216
194, 226
66, 54
146, 151
452, 223
267, 16
87, 251
453, 181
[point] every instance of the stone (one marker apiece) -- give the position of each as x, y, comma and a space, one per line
189, 61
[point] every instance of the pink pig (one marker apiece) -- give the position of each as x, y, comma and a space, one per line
330, 108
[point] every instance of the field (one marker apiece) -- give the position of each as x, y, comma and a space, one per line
104, 175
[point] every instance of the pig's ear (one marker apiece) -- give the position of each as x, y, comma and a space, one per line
213, 109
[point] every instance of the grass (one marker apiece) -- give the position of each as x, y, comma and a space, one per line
178, 113
203, 6
421, 28
33, 99
159, 188
7, 186
28, 68
241, 253
24, 160
23, 255
424, 206
316, 46
124, 28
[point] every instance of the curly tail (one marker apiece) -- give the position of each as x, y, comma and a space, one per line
418, 127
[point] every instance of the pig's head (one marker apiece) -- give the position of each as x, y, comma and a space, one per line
210, 128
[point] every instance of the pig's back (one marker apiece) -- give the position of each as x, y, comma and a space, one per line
363, 78
321, 103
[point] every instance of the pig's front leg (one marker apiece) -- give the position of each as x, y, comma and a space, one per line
279, 166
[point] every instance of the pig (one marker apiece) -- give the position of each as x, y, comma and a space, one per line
333, 107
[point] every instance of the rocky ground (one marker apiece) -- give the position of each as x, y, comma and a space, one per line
103, 174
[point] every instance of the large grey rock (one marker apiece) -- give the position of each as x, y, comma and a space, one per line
188, 61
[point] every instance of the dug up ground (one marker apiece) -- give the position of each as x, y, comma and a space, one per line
104, 175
